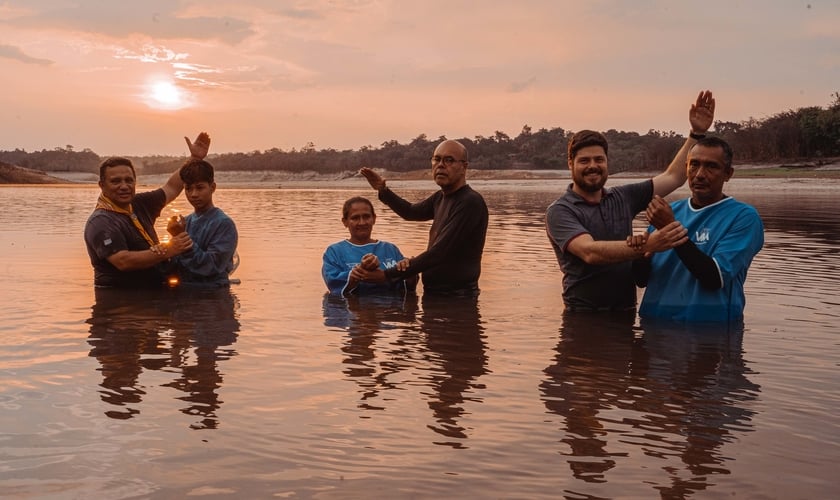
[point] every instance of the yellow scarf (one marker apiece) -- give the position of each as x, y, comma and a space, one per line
106, 204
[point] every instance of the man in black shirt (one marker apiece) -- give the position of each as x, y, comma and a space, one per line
451, 263
120, 236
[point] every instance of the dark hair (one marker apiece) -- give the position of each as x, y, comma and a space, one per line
196, 171
586, 138
717, 142
345, 210
115, 161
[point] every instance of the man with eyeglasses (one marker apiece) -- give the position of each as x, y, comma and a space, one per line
589, 225
451, 264
702, 280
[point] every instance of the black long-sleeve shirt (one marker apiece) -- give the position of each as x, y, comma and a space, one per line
452, 260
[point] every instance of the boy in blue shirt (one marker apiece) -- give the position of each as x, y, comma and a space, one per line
214, 236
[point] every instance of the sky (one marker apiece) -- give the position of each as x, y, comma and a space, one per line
133, 78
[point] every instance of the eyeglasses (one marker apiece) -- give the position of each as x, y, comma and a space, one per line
447, 160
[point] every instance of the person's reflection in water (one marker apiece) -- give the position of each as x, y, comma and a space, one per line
673, 392
457, 358
187, 330
365, 318
699, 391
596, 358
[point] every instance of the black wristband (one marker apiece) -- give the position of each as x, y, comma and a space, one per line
696, 137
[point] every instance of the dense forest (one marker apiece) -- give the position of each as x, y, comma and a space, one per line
811, 132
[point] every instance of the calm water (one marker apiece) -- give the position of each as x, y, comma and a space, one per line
271, 390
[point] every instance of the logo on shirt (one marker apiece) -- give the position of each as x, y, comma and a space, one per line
701, 237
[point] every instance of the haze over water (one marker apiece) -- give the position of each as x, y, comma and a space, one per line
269, 389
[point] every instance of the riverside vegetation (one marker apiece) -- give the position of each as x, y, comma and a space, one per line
792, 143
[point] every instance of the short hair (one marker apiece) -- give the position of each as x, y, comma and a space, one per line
717, 142
586, 138
115, 161
196, 171
345, 210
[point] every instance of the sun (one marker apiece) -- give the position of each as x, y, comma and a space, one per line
166, 94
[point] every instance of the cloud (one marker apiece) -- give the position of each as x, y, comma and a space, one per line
151, 53
521, 86
15, 53
159, 19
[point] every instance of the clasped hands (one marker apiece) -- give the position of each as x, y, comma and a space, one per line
669, 232
368, 270
180, 241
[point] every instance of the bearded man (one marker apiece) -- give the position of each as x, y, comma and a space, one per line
589, 225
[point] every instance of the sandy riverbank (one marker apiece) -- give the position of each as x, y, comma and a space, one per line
10, 174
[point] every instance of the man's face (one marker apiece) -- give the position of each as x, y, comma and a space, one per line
200, 195
589, 169
706, 174
118, 185
449, 166
359, 221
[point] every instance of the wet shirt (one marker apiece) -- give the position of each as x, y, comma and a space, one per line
589, 286
731, 233
210, 260
107, 233
451, 263
340, 258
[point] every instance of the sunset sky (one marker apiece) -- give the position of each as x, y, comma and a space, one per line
135, 77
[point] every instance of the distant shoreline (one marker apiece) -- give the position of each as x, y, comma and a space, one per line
11, 174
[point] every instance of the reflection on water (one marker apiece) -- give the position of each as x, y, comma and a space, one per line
443, 350
364, 319
184, 331
672, 393
456, 354
316, 397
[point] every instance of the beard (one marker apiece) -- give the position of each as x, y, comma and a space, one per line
589, 186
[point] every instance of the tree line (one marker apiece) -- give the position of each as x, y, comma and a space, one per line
809, 132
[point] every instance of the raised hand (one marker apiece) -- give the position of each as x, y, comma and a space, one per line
200, 147
702, 113
374, 179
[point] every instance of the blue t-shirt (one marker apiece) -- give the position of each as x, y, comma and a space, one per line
731, 233
340, 258
210, 260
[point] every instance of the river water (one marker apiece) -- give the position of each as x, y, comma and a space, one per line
271, 389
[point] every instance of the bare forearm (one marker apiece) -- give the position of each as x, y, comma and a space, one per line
134, 260
173, 186
607, 252
676, 174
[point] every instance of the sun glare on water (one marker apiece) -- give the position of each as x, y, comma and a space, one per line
165, 94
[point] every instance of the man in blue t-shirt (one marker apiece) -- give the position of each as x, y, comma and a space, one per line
588, 225
702, 280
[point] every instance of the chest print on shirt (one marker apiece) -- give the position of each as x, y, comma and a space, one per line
701, 236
